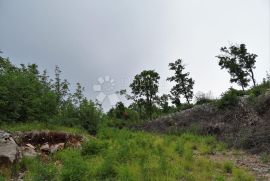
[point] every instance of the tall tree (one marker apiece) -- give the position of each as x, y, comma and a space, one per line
145, 87
248, 60
61, 88
78, 95
184, 83
239, 63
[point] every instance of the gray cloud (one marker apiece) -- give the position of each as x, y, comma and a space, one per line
120, 38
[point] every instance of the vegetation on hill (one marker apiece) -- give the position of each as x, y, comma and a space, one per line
30, 100
26, 95
124, 155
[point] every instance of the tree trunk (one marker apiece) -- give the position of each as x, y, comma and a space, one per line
243, 89
252, 77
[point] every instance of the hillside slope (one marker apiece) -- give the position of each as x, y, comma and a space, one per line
246, 125
124, 155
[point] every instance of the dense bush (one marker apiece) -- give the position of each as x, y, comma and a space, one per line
203, 98
74, 167
185, 106
27, 95
259, 89
119, 111
38, 170
230, 98
93, 147
23, 96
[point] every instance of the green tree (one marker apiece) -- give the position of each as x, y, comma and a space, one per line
184, 84
138, 102
163, 102
78, 95
61, 88
23, 97
239, 63
119, 111
248, 61
89, 116
145, 87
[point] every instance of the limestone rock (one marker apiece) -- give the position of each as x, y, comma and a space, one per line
9, 151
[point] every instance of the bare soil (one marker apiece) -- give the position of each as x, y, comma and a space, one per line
251, 162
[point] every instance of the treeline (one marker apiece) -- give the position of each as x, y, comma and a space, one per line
28, 95
146, 103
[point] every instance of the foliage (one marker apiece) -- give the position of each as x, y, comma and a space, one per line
121, 116
163, 102
259, 89
185, 106
265, 157
2, 178
22, 95
240, 64
26, 95
118, 112
203, 98
38, 170
89, 116
239, 175
93, 147
229, 98
144, 89
124, 155
184, 84
228, 167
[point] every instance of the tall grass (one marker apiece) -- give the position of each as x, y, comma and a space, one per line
124, 155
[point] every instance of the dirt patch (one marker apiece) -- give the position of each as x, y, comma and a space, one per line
50, 137
245, 160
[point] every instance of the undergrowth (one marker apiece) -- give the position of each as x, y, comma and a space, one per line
124, 155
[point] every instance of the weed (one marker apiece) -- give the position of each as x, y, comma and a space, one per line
74, 166
240, 175
228, 167
265, 158
38, 170
93, 147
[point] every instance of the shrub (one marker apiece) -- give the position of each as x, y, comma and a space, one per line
107, 170
185, 106
89, 116
203, 98
2, 178
229, 98
265, 158
219, 178
180, 148
228, 167
93, 147
259, 89
74, 167
240, 175
37, 170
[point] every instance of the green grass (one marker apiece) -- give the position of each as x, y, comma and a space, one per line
39, 126
125, 155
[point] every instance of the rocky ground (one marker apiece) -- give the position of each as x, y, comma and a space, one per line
17, 145
251, 162
245, 126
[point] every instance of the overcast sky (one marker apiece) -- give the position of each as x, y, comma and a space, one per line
90, 39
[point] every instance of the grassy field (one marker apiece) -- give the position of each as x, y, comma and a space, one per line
124, 155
